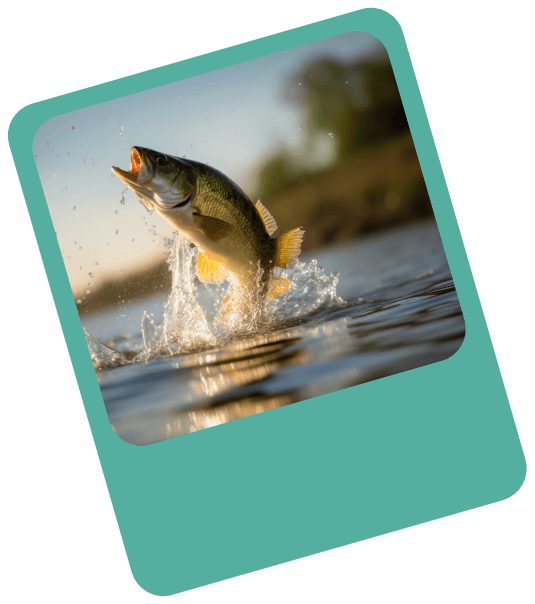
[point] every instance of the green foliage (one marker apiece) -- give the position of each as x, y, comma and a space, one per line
277, 172
356, 104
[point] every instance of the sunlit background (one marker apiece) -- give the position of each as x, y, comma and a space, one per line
317, 132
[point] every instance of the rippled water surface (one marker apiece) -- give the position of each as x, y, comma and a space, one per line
393, 308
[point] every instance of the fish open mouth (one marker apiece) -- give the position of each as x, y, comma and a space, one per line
142, 168
130, 177
135, 161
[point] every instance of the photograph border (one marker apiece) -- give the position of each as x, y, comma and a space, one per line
319, 474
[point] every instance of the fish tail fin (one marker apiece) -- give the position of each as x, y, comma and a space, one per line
289, 247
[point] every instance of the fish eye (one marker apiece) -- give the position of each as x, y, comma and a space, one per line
161, 160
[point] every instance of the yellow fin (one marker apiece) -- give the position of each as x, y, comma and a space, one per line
227, 307
210, 270
267, 218
279, 286
289, 247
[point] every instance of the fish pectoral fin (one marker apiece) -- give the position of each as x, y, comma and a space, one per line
210, 270
279, 286
267, 218
213, 228
289, 247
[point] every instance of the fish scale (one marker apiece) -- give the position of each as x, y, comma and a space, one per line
248, 243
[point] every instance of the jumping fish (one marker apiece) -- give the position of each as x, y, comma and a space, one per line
234, 236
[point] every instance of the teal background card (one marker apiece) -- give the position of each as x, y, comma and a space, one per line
290, 485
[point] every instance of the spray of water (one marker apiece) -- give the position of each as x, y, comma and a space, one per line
199, 316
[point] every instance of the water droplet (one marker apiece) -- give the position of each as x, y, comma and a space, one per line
123, 198
87, 291
80, 248
85, 161
48, 143
133, 239
90, 284
347, 82
300, 84
73, 127
54, 177
117, 232
37, 157
90, 274
78, 301
180, 96
75, 243
96, 264
74, 208
331, 134
116, 211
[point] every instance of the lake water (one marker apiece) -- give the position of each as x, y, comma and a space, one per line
400, 311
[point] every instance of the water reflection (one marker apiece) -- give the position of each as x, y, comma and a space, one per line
400, 319
206, 389
253, 361
209, 417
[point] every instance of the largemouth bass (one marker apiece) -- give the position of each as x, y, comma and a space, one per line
234, 236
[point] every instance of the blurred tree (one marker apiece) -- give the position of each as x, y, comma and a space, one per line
276, 173
385, 117
356, 104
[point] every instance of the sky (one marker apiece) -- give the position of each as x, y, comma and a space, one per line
232, 119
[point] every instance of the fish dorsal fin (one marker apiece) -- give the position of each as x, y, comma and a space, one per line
267, 218
289, 247
213, 228
210, 270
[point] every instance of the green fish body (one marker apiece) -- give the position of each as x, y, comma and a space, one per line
234, 236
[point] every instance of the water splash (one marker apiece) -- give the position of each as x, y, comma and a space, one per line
185, 324
102, 355
199, 316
